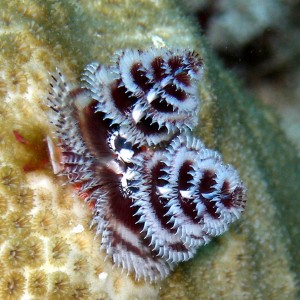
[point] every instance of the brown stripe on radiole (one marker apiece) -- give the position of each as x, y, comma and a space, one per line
150, 127
184, 179
238, 197
119, 205
206, 186
175, 92
140, 78
225, 195
161, 105
139, 259
183, 78
158, 202
158, 71
175, 63
122, 224
142, 251
94, 129
122, 98
194, 62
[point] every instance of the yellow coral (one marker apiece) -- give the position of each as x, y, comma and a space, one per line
79, 264
2, 90
37, 283
8, 179
59, 286
35, 252
18, 224
58, 251
3, 204
12, 286
23, 200
44, 223
80, 291
3, 229
17, 79
14, 254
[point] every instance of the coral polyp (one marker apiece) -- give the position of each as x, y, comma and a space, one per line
37, 283
12, 286
124, 143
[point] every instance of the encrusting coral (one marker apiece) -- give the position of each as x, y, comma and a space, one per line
46, 247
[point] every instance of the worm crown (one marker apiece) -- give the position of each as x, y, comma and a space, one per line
124, 142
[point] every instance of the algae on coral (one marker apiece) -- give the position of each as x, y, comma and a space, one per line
256, 259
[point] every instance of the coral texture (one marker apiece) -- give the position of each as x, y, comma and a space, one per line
47, 249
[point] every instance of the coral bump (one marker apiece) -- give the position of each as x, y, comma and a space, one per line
124, 140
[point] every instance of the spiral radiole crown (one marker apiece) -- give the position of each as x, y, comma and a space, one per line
125, 144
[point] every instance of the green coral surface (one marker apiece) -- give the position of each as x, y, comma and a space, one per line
42, 257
